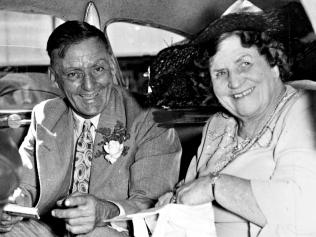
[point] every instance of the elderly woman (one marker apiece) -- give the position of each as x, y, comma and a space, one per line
257, 161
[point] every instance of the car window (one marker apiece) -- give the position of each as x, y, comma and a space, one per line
129, 39
135, 46
24, 80
24, 90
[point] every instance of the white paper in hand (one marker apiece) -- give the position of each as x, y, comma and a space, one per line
27, 212
174, 220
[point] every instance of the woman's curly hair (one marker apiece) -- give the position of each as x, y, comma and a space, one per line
273, 50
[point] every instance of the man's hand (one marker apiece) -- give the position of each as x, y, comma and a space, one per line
7, 221
196, 192
83, 212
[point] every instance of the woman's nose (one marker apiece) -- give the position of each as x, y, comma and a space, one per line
235, 80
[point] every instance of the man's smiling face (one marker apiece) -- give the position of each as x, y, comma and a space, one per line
85, 75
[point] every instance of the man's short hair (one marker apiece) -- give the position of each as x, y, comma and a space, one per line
72, 32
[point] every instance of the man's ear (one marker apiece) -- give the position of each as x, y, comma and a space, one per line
52, 75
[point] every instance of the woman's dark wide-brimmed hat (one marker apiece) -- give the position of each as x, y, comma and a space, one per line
178, 76
283, 24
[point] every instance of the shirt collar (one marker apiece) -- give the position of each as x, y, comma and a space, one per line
78, 121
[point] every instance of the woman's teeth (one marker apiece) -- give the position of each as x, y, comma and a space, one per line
242, 94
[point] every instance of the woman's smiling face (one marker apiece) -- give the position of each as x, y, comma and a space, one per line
243, 81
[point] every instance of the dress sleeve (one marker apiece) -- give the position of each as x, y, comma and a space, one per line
287, 199
155, 170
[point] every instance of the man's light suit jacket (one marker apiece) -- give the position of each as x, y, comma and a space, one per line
135, 181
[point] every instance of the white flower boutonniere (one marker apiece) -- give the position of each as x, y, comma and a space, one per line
114, 150
113, 142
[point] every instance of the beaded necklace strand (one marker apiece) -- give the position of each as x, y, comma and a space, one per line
247, 143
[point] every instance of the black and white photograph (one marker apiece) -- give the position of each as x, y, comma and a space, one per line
158, 118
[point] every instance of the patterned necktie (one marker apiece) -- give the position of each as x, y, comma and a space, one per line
83, 160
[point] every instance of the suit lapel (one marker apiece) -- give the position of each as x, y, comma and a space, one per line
113, 113
55, 151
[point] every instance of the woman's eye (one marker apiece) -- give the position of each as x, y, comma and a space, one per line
221, 74
245, 65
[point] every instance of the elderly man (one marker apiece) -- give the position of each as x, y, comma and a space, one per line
94, 154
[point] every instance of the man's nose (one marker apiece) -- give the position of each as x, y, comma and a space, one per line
235, 80
88, 82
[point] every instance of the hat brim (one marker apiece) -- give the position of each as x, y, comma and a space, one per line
181, 60
229, 23
283, 24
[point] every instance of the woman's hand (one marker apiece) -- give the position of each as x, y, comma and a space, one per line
196, 192
169, 197
164, 199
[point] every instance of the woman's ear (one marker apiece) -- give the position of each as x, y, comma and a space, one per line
276, 71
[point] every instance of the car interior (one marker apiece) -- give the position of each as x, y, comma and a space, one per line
137, 31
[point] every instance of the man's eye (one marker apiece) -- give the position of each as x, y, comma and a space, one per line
99, 69
73, 75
